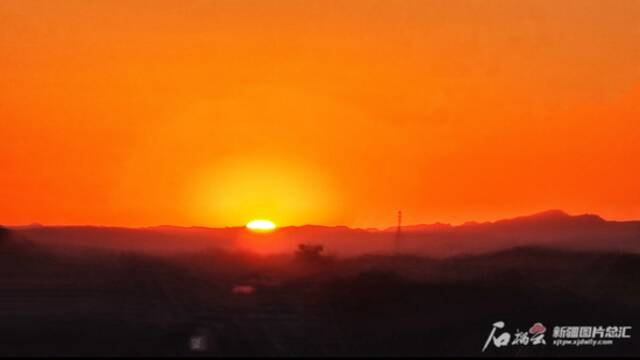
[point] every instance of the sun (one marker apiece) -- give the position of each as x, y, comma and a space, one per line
261, 225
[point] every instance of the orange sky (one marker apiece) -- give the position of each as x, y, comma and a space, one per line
329, 112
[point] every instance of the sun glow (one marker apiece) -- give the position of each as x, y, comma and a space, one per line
261, 225
243, 188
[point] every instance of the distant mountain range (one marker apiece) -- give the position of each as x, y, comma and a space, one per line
551, 229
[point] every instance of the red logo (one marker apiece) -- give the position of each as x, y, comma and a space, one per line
537, 328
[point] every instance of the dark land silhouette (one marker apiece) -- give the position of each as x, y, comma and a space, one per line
551, 229
200, 291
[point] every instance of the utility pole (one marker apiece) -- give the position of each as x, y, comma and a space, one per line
398, 237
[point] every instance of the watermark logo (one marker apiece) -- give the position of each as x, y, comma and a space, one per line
534, 336
562, 335
589, 335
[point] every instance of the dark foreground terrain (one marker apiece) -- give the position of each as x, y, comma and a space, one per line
55, 301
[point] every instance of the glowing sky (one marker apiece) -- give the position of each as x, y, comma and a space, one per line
328, 112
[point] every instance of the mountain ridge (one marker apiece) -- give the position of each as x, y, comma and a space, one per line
547, 215
553, 228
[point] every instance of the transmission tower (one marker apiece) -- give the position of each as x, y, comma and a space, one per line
398, 237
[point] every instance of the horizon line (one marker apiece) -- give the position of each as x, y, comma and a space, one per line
365, 228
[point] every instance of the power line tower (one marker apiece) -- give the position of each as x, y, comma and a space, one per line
398, 237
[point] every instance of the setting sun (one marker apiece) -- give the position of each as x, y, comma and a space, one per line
282, 178
261, 225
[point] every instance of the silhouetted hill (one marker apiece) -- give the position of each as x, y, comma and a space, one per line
547, 219
552, 229
110, 303
422, 227
153, 240
4, 234
9, 238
